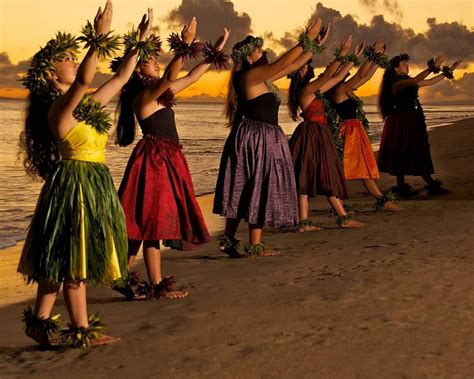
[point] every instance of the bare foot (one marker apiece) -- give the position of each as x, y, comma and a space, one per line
309, 228
39, 336
269, 252
104, 340
391, 207
353, 224
173, 294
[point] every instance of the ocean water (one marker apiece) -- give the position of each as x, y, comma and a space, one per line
202, 131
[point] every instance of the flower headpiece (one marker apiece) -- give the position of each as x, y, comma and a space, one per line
36, 78
240, 53
395, 61
150, 47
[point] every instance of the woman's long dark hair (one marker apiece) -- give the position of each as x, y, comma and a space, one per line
126, 123
37, 145
386, 96
296, 84
390, 76
232, 110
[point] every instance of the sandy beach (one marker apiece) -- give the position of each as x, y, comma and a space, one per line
392, 300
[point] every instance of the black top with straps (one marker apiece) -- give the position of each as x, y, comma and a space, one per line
347, 109
263, 108
161, 124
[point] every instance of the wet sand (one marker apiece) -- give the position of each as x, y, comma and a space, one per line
393, 299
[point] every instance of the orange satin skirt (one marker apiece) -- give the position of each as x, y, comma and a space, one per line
359, 160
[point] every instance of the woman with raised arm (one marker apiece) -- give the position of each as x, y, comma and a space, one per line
157, 191
404, 148
317, 167
256, 179
77, 234
359, 161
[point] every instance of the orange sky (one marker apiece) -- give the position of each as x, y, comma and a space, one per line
27, 24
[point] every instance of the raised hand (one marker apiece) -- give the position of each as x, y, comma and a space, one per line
440, 59
379, 46
220, 43
346, 45
359, 49
103, 19
323, 34
314, 28
189, 31
145, 25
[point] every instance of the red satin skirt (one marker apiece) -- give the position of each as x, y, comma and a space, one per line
157, 196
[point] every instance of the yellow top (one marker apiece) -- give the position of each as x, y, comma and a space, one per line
83, 143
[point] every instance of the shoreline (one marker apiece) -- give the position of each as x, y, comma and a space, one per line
8, 243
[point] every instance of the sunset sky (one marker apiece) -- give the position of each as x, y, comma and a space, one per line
421, 27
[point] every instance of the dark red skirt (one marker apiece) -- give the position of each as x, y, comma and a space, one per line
157, 196
404, 148
318, 170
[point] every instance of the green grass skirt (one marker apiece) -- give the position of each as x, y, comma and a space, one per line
78, 229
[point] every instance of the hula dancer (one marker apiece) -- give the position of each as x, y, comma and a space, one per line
404, 148
318, 170
359, 159
77, 234
256, 178
157, 191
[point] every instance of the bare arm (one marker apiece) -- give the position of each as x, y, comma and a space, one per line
431, 81
61, 111
260, 74
373, 68
150, 94
199, 70
304, 57
316, 84
337, 79
438, 78
361, 72
109, 89
297, 63
405, 83
328, 73
419, 78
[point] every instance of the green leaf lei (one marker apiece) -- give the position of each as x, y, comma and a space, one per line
90, 111
380, 59
344, 59
38, 74
105, 44
333, 122
447, 72
93, 113
308, 44
150, 47
361, 114
244, 51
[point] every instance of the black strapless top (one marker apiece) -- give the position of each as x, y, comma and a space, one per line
347, 109
161, 124
262, 108
406, 99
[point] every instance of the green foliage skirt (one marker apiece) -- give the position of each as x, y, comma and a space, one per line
78, 229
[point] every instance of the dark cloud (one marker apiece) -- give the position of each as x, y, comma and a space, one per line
212, 17
453, 39
10, 73
390, 6
461, 87
4, 59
